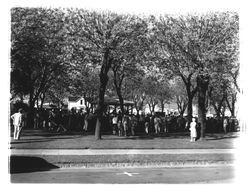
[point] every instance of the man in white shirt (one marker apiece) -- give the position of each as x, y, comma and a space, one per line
17, 122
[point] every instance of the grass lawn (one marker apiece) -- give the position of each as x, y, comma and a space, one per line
40, 139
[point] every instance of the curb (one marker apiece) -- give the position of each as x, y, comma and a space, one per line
119, 151
178, 164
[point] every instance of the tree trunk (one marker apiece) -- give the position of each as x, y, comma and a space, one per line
42, 100
190, 108
231, 106
30, 116
121, 100
190, 94
150, 108
100, 106
202, 84
153, 108
217, 110
181, 105
162, 106
182, 110
85, 102
37, 103
233, 110
117, 83
103, 83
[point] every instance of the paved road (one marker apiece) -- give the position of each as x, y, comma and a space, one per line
118, 151
223, 174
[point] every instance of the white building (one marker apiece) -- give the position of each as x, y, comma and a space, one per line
77, 102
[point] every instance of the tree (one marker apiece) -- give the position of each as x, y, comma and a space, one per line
122, 71
206, 44
172, 59
100, 35
157, 92
128, 58
36, 55
57, 92
218, 92
232, 90
126, 67
181, 98
133, 89
231, 100
85, 82
150, 88
164, 95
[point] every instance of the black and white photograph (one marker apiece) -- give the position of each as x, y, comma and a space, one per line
119, 96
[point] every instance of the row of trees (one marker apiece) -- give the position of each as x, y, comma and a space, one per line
61, 52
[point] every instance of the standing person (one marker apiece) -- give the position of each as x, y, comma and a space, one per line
125, 122
86, 121
142, 123
225, 125
81, 120
46, 119
134, 123
51, 120
163, 124
114, 123
120, 124
36, 119
120, 127
65, 120
73, 120
18, 123
147, 123
157, 124
59, 122
193, 132
167, 121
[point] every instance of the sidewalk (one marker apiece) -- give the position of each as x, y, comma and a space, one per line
118, 151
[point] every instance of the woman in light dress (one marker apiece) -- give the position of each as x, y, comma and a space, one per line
193, 132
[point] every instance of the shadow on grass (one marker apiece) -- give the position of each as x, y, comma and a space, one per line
47, 133
130, 138
24, 164
50, 134
31, 141
142, 138
182, 135
221, 138
150, 136
34, 140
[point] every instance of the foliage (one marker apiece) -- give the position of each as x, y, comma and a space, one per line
36, 55
199, 46
156, 92
61, 52
180, 95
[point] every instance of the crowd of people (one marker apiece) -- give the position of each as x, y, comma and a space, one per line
57, 120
